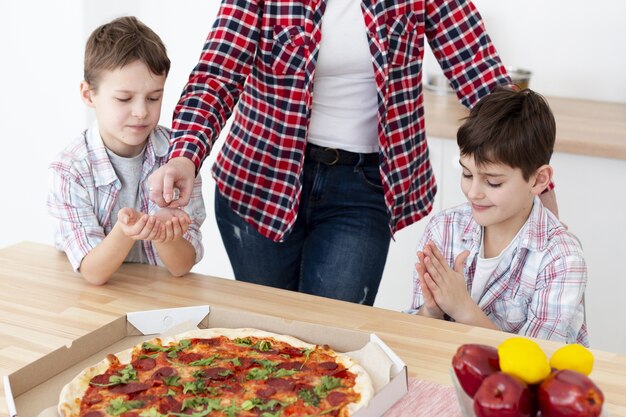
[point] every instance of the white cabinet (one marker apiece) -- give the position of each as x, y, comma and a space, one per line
591, 198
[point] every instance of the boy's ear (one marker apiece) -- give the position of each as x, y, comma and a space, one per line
85, 93
542, 178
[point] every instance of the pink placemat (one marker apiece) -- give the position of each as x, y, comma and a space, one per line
426, 399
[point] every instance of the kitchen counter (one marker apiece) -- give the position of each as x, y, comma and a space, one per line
45, 305
584, 127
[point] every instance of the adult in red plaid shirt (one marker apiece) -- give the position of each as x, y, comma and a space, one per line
327, 156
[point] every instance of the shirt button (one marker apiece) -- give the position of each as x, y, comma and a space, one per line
379, 78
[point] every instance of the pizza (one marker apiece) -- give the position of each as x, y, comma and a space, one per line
222, 373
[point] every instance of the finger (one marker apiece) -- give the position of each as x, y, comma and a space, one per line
125, 215
431, 284
138, 226
155, 186
168, 231
160, 236
459, 262
426, 293
155, 230
436, 253
148, 230
177, 228
168, 187
185, 188
433, 267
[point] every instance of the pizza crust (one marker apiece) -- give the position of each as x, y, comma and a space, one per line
72, 393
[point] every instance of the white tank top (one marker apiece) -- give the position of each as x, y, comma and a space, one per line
344, 113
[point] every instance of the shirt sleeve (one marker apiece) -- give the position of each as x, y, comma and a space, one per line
195, 209
77, 230
215, 84
461, 45
556, 311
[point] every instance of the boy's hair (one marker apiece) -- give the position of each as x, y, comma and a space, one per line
515, 128
121, 42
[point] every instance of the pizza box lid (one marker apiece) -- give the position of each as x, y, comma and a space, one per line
34, 389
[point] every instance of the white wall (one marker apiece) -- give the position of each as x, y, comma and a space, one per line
574, 50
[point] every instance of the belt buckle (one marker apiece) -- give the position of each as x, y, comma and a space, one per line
336, 156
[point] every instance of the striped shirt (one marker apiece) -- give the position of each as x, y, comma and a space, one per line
536, 290
260, 57
84, 188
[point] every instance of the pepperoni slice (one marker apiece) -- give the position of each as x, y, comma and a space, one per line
163, 372
341, 374
102, 379
335, 398
144, 364
188, 357
246, 363
218, 373
282, 384
130, 388
329, 366
216, 341
291, 351
266, 392
169, 405
290, 365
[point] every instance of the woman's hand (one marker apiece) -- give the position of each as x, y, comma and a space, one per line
177, 173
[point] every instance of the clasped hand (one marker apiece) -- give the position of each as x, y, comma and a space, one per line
443, 287
166, 225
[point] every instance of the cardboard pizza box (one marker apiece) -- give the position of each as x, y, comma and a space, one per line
34, 389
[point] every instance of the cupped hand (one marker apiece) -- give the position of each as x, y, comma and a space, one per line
177, 173
176, 222
139, 226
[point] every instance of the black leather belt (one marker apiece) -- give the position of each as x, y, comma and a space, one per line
333, 156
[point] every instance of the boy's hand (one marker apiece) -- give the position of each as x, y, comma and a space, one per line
176, 223
430, 307
176, 173
447, 285
139, 226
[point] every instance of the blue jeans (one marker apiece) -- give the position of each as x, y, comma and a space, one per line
339, 243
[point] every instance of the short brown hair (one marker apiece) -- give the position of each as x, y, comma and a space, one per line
516, 128
121, 42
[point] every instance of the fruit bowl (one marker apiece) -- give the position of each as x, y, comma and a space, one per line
466, 403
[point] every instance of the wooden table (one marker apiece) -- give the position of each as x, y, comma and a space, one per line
44, 304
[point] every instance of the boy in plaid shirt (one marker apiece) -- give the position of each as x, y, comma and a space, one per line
502, 260
99, 194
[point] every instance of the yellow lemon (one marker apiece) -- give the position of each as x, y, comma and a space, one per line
524, 359
574, 357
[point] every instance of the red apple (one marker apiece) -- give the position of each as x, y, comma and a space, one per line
473, 363
569, 393
503, 395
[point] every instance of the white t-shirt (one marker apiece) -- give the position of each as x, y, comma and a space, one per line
345, 105
485, 267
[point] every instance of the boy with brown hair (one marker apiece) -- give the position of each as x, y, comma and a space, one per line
99, 194
502, 260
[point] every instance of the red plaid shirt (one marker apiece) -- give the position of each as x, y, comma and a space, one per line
261, 56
